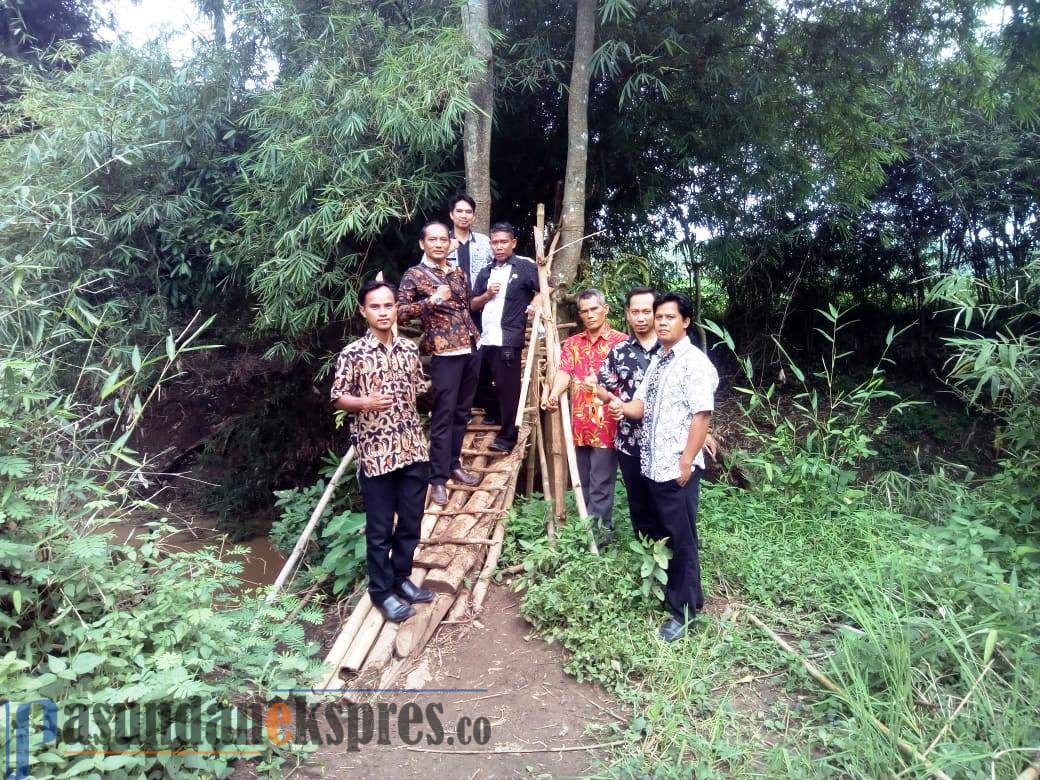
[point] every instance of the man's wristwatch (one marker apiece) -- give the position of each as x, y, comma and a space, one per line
436, 300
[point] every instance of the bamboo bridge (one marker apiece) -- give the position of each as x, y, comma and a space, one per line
460, 542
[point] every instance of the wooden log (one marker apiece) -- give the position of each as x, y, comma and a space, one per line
441, 605
457, 512
460, 608
334, 658
411, 629
301, 544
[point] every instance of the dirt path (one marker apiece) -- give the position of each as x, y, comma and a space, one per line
494, 670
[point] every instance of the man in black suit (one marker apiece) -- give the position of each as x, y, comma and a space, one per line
503, 293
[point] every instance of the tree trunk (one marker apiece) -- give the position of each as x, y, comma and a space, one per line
476, 135
565, 265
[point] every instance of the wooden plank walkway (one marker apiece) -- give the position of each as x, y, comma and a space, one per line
456, 540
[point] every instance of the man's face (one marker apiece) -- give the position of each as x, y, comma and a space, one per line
461, 215
379, 309
502, 246
640, 313
593, 313
670, 325
436, 243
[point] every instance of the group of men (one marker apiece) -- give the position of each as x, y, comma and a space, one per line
642, 402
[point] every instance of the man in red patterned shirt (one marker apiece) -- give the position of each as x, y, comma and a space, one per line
581, 357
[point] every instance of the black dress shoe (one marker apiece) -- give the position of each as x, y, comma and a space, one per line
673, 630
465, 477
500, 446
413, 594
439, 494
489, 421
394, 609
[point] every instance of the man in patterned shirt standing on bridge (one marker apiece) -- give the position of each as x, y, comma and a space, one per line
378, 379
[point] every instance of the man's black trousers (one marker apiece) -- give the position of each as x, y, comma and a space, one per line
454, 381
640, 498
677, 513
505, 370
390, 550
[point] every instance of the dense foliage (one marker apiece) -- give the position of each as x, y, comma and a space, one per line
920, 593
798, 160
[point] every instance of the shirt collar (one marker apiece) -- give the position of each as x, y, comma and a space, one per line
683, 346
429, 263
372, 341
638, 345
605, 331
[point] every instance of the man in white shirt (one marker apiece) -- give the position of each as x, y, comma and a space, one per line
503, 293
675, 402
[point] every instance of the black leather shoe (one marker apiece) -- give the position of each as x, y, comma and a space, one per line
394, 609
439, 494
465, 477
499, 446
486, 420
673, 630
413, 594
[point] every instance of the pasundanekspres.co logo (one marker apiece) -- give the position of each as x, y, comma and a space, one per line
197, 727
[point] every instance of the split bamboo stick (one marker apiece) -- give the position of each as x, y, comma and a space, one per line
833, 687
301, 544
572, 461
529, 364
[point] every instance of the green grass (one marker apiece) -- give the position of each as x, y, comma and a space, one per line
903, 614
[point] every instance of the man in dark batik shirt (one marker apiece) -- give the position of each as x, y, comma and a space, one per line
378, 379
437, 294
620, 375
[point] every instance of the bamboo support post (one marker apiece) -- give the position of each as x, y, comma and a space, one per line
833, 687
546, 489
529, 364
572, 461
301, 544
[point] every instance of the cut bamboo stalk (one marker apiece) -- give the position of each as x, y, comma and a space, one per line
833, 687
454, 540
572, 461
408, 634
383, 648
363, 642
301, 544
480, 590
1031, 772
346, 635
546, 490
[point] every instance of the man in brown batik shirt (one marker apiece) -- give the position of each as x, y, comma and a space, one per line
437, 294
378, 378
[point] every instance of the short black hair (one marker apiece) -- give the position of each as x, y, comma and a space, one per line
453, 201
431, 223
372, 285
639, 291
503, 227
682, 301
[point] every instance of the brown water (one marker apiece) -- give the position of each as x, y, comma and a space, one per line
261, 560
